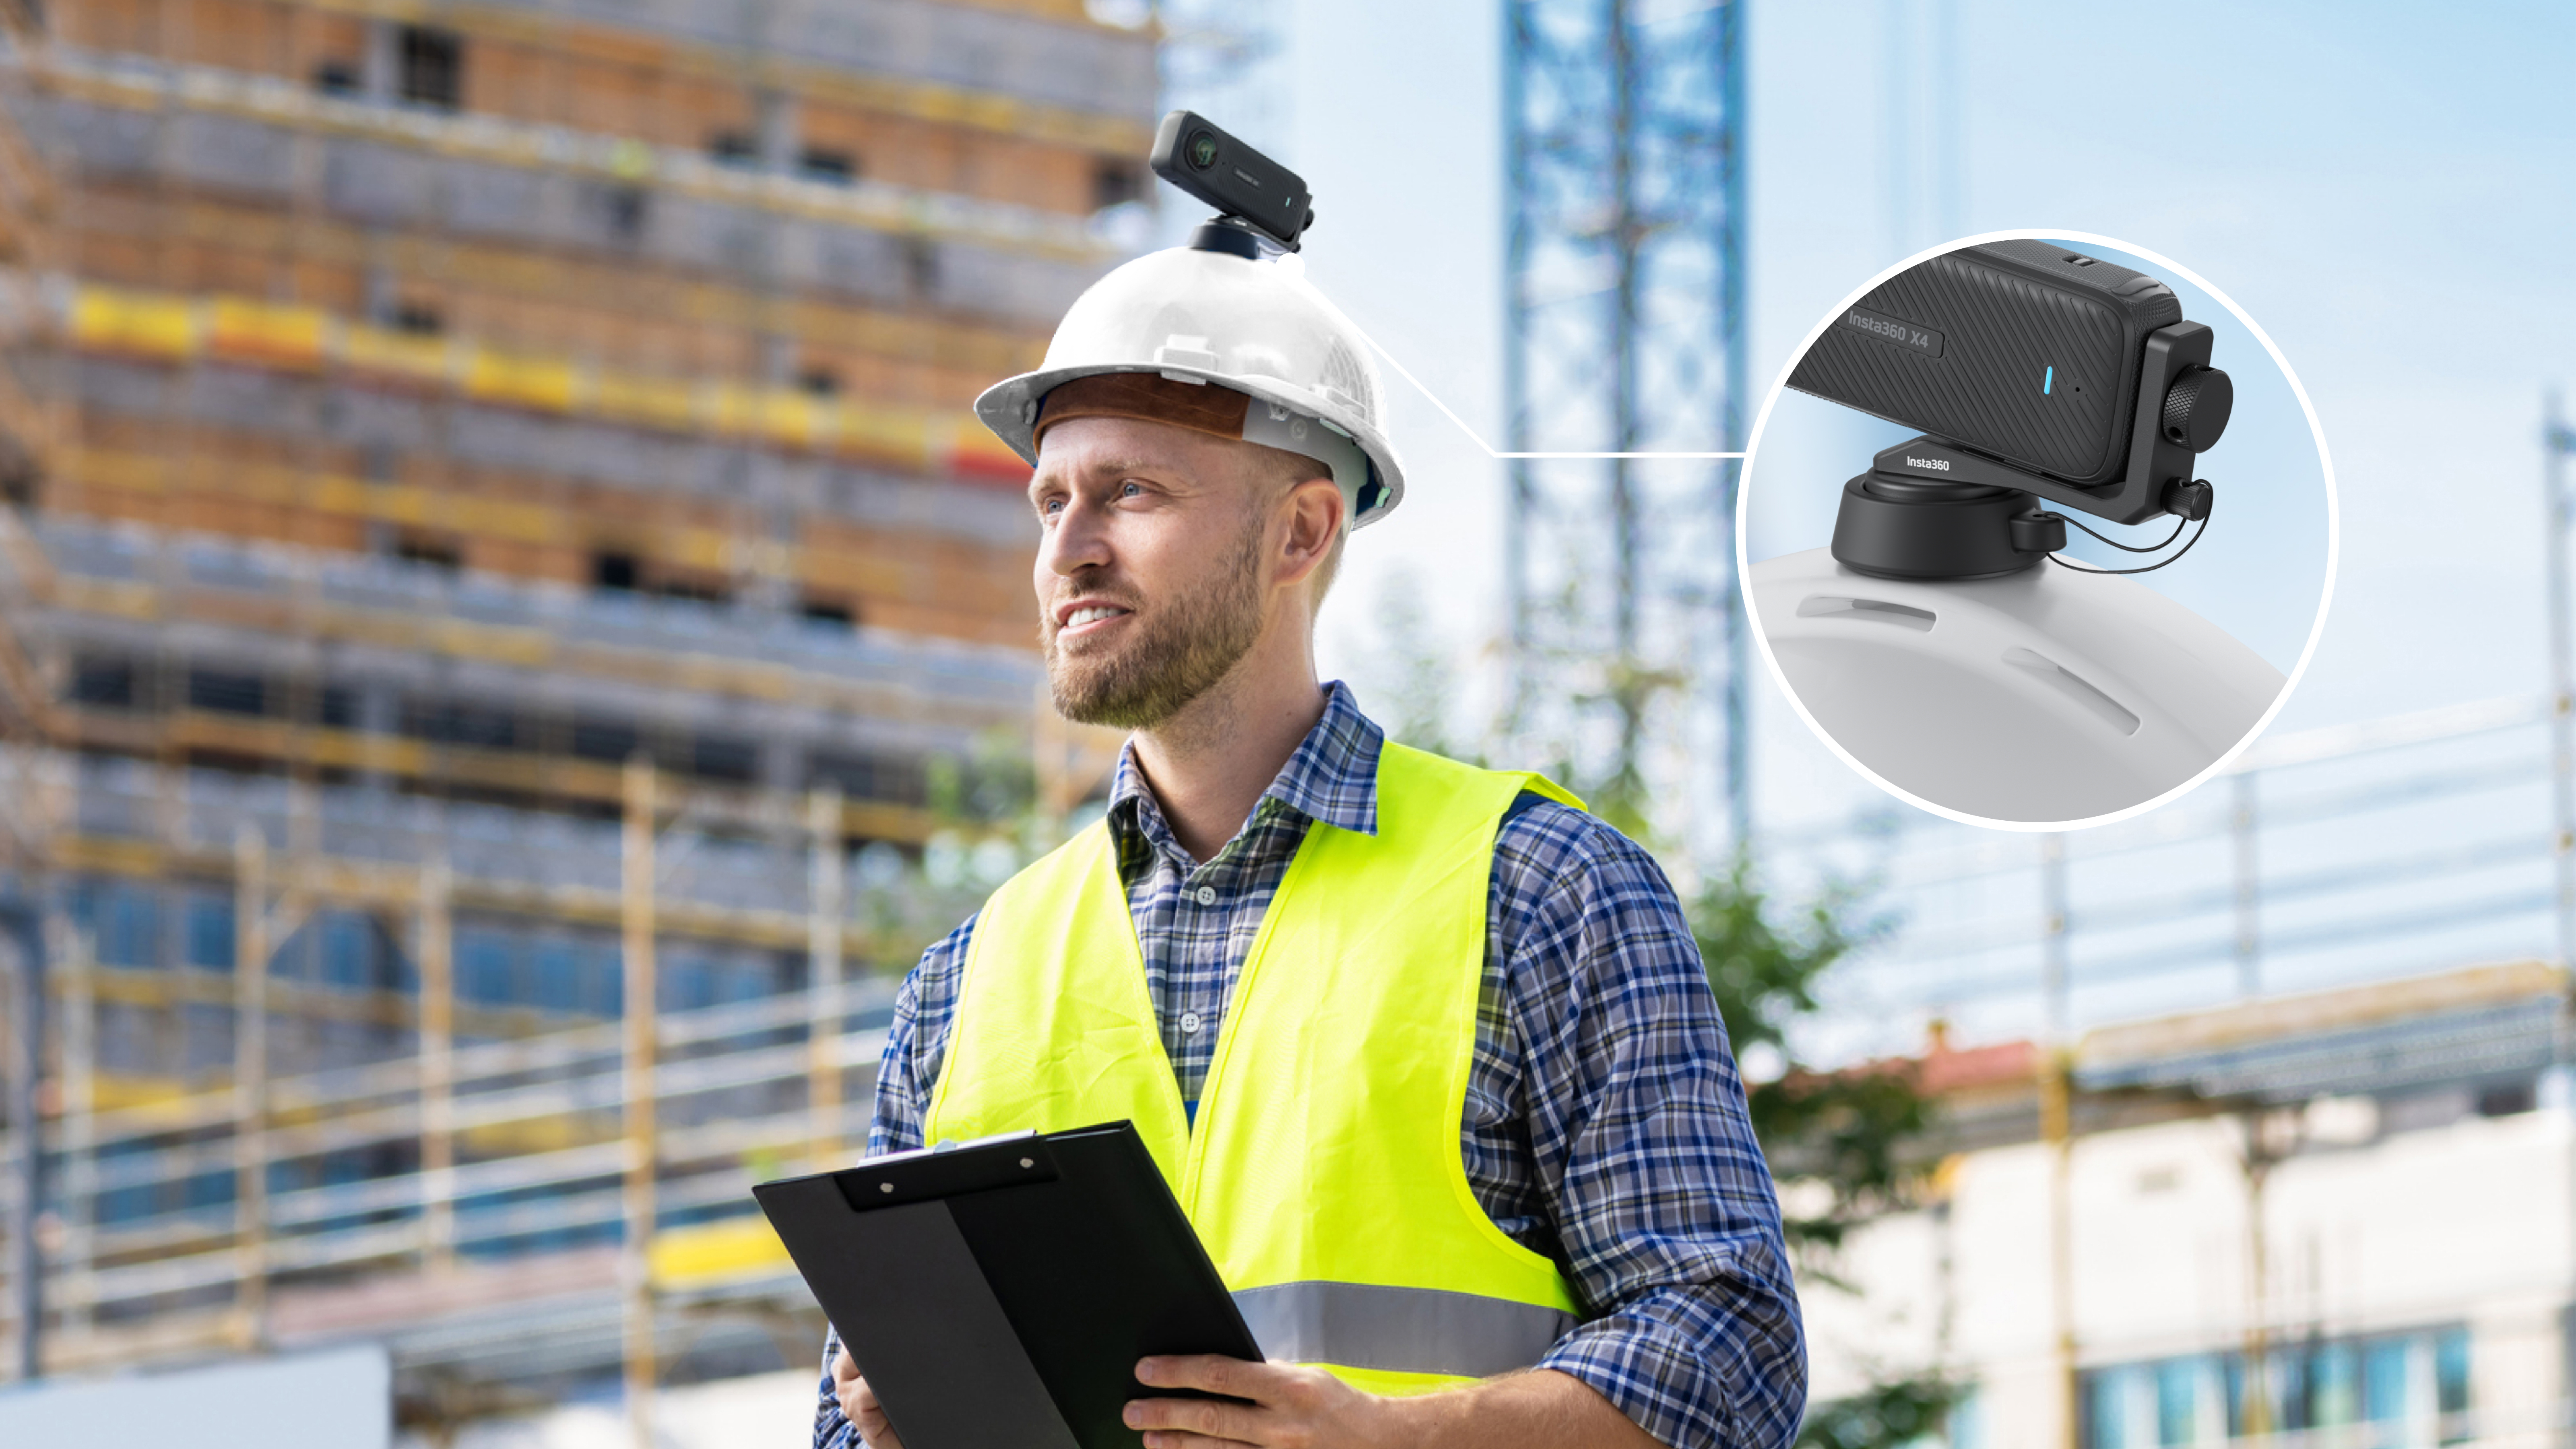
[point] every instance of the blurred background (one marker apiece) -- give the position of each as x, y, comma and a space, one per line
511, 641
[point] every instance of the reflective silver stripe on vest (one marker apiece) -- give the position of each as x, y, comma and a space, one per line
1402, 1330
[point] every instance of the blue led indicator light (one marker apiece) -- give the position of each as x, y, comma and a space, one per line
2048, 382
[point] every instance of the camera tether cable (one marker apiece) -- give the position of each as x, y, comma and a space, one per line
2167, 542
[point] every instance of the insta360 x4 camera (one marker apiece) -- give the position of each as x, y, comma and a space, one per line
1256, 198
2032, 370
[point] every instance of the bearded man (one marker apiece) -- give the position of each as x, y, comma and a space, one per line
1426, 1050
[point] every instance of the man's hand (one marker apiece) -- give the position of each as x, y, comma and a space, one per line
860, 1406
1296, 1407
1293, 1407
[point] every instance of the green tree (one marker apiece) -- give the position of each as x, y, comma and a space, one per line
1858, 1134
1904, 1411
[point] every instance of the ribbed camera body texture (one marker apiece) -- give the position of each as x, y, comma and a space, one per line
2021, 350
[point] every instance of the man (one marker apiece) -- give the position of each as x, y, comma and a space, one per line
1425, 1050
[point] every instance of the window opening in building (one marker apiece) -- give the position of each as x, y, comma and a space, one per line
606, 740
418, 318
723, 757
433, 67
2416, 1382
868, 777
558, 976
339, 707
833, 168
614, 571
487, 967
734, 148
831, 613
457, 722
336, 78
356, 955
227, 693
103, 681
123, 921
819, 380
209, 933
430, 550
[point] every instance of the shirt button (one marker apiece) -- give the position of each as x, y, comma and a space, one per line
1207, 895
1189, 1023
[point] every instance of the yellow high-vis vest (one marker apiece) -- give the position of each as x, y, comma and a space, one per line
1324, 1171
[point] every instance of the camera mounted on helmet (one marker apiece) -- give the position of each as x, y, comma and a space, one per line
1221, 314
1256, 198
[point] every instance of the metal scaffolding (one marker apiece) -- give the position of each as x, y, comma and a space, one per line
1624, 333
501, 599
511, 1197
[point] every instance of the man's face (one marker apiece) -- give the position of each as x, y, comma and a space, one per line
1149, 573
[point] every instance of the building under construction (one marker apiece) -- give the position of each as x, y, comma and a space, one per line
500, 579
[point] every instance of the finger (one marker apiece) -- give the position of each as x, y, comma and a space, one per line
1204, 1417
869, 1418
863, 1410
1214, 1373
865, 1397
1182, 1439
844, 1368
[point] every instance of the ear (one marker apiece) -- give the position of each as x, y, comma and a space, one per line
1312, 512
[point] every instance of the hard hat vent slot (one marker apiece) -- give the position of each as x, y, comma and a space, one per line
1874, 611
2075, 687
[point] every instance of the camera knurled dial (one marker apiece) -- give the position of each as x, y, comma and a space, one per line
2197, 407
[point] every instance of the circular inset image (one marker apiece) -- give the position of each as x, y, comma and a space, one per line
2037, 530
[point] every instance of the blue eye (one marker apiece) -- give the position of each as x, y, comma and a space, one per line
1126, 489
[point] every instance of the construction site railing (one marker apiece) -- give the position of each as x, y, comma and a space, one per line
2319, 858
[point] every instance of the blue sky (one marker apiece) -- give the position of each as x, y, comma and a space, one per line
2386, 190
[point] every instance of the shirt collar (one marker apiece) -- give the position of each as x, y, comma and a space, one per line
1332, 777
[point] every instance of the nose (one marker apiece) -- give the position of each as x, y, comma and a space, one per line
1077, 540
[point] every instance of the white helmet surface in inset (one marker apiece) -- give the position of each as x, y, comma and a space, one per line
1256, 326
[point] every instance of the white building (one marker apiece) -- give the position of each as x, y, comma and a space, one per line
2398, 1159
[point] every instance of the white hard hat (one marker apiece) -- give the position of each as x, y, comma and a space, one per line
1214, 316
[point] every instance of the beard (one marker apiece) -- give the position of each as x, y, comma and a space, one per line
1173, 655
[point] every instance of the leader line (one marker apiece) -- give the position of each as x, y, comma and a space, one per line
1490, 450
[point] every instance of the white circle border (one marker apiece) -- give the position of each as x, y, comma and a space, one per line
2325, 598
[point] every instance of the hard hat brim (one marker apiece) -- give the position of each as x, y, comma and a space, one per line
1010, 409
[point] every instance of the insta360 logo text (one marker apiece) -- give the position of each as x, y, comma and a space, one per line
1936, 465
1888, 329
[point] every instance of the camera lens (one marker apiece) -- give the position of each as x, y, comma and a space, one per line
1203, 150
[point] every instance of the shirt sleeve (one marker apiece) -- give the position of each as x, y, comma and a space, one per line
916, 1042
1663, 1205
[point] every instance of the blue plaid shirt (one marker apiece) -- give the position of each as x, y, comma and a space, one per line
1604, 1126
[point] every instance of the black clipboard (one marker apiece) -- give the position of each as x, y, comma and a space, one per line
999, 1293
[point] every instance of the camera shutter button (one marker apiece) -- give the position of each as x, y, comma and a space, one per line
2197, 407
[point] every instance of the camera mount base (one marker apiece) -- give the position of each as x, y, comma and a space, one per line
1900, 528
1929, 509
